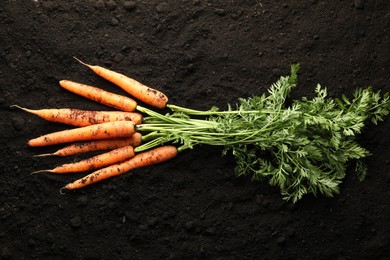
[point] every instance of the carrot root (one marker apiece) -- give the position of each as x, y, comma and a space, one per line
44, 154
41, 171
83, 63
99, 95
62, 191
22, 108
96, 162
93, 132
151, 157
77, 117
138, 90
96, 145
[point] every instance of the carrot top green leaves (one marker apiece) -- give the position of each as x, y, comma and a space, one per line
302, 147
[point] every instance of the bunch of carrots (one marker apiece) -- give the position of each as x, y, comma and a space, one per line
302, 147
112, 131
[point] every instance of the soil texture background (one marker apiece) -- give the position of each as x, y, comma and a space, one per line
200, 53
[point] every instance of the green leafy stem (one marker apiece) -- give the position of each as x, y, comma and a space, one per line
302, 148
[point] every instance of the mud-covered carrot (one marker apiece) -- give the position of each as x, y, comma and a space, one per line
138, 90
93, 132
151, 157
77, 117
95, 162
99, 95
96, 145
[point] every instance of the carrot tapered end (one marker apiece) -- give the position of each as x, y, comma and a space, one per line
83, 63
41, 171
62, 191
44, 154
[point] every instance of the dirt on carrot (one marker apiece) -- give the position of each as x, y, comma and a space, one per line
96, 145
77, 117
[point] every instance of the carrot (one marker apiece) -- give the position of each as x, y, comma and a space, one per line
93, 132
138, 90
99, 95
77, 117
151, 157
97, 145
95, 162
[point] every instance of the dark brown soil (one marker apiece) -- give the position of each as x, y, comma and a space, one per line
200, 53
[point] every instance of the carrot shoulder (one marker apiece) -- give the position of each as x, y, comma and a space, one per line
99, 95
95, 162
93, 132
77, 117
151, 157
138, 90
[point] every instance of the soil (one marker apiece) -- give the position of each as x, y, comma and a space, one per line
201, 54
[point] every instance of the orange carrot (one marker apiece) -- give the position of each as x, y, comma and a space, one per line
77, 117
99, 95
93, 132
97, 145
95, 162
138, 90
151, 157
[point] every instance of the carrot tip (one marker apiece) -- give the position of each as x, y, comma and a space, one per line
85, 64
44, 154
40, 171
62, 190
19, 107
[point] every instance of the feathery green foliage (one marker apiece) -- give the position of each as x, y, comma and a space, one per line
302, 148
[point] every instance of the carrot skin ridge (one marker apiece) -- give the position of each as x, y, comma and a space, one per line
138, 90
104, 97
77, 117
96, 162
93, 132
151, 157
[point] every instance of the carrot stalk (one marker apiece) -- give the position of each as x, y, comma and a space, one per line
151, 157
77, 117
93, 132
138, 90
99, 95
96, 145
95, 162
